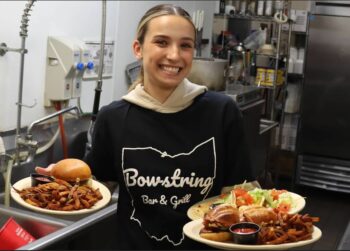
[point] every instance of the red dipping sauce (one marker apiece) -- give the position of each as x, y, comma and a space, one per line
245, 233
43, 179
37, 179
244, 230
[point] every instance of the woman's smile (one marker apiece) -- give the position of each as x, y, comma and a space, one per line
170, 69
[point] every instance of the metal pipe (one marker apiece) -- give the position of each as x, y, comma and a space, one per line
4, 49
20, 94
274, 85
284, 90
98, 88
30, 128
32, 145
23, 34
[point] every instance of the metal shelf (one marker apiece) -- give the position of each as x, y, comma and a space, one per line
247, 17
269, 87
274, 56
295, 76
279, 30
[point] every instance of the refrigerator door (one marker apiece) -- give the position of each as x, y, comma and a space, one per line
333, 7
325, 109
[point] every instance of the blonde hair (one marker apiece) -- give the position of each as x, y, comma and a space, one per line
156, 11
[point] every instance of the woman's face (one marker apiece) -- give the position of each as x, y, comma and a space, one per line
167, 51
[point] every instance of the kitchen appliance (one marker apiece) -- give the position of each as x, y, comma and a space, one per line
323, 141
250, 103
243, 94
209, 72
237, 64
67, 59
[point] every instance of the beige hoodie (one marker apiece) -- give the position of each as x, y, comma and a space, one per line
181, 98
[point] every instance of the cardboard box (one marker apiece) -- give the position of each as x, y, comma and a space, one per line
300, 23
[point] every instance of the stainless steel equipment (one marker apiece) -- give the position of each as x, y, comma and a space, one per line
243, 94
237, 64
323, 136
209, 72
257, 130
55, 231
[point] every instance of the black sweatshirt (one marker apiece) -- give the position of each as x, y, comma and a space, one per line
166, 162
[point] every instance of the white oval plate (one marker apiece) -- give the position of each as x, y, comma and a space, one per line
198, 210
191, 230
26, 182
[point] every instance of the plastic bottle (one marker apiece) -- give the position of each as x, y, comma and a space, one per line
268, 8
252, 7
222, 6
279, 5
260, 9
243, 7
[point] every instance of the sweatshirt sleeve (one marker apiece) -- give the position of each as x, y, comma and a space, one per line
238, 165
100, 158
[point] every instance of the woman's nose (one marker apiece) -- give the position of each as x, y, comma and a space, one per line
173, 52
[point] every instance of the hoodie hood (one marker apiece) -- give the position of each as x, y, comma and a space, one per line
181, 98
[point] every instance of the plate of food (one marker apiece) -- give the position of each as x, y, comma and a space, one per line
276, 230
192, 230
72, 191
238, 196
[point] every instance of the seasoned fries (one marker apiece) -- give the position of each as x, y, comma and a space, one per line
60, 195
289, 228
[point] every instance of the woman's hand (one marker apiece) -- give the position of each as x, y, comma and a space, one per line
44, 171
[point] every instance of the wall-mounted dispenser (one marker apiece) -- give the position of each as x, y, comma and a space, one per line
67, 59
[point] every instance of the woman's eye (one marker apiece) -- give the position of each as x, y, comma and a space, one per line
187, 45
161, 42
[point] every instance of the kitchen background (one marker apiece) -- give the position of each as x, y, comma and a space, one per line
80, 20
281, 137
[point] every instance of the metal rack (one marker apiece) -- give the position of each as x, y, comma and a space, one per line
271, 91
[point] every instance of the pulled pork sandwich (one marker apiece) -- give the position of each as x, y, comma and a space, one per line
258, 215
217, 222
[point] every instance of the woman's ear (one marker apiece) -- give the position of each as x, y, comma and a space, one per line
137, 49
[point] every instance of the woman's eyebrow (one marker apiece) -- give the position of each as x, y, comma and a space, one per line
188, 38
168, 37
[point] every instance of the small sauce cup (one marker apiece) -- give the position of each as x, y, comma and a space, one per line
245, 233
37, 179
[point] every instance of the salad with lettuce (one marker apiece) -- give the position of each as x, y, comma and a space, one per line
272, 198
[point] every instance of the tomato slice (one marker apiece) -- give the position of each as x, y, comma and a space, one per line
275, 193
248, 199
284, 207
239, 192
243, 198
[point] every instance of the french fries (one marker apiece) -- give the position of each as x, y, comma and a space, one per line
289, 228
60, 195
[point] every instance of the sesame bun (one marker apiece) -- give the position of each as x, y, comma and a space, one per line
71, 169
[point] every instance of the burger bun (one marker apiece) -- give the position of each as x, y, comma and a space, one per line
70, 170
222, 236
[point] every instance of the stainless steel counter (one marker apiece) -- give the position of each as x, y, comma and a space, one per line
51, 229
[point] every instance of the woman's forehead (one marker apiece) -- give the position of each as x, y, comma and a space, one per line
171, 24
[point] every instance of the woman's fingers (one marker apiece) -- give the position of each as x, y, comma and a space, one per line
44, 171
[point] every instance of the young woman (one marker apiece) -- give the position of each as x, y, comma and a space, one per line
169, 143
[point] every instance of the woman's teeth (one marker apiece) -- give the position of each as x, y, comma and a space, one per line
171, 69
